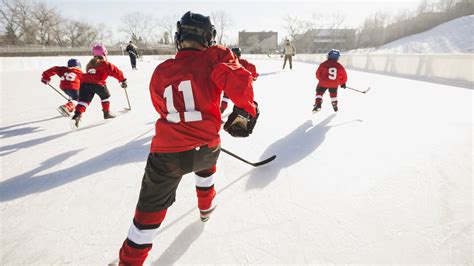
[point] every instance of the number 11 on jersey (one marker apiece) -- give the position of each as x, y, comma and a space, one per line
190, 115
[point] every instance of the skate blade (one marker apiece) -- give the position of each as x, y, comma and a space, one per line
74, 127
205, 215
62, 112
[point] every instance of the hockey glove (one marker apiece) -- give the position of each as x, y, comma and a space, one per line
343, 86
240, 123
124, 84
45, 81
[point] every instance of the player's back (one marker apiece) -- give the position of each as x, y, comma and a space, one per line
330, 74
187, 100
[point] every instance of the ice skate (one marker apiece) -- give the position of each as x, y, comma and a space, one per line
62, 109
108, 114
205, 214
316, 108
75, 121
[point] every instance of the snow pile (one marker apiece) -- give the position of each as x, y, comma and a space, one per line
455, 36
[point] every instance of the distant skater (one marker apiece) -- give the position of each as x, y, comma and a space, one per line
289, 51
331, 74
132, 52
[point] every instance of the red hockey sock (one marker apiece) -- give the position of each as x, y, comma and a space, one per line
106, 105
205, 197
131, 254
205, 188
81, 107
135, 248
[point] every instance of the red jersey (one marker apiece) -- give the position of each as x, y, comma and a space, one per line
70, 77
99, 73
249, 66
331, 74
186, 92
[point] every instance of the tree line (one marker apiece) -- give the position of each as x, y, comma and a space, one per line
30, 22
36, 23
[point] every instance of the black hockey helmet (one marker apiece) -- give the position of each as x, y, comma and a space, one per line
237, 51
196, 27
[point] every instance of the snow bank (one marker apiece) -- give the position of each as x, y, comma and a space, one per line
455, 36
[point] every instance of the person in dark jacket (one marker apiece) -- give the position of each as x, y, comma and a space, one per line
132, 52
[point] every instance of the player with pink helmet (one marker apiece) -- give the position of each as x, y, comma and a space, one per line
99, 50
93, 82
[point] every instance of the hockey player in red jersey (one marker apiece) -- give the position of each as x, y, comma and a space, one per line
247, 65
331, 74
93, 82
70, 83
185, 91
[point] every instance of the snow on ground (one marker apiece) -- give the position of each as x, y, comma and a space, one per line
388, 179
452, 37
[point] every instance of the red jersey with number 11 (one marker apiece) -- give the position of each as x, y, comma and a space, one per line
331, 74
186, 92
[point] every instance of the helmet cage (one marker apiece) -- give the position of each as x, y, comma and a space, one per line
204, 35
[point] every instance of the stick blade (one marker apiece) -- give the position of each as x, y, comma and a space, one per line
367, 90
265, 161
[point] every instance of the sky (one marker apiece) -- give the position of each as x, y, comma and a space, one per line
246, 15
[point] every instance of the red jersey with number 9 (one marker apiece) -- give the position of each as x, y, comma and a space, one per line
70, 77
186, 92
331, 74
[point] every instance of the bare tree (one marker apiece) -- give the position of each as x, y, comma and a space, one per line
104, 34
295, 26
16, 19
8, 19
45, 20
139, 27
222, 21
168, 26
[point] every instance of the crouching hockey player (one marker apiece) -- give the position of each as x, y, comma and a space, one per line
70, 83
331, 74
185, 91
247, 65
93, 82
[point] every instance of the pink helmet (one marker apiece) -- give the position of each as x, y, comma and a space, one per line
99, 50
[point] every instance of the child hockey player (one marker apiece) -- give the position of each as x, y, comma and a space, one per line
247, 65
70, 83
185, 91
93, 82
331, 75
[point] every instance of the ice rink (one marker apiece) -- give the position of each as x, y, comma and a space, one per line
388, 179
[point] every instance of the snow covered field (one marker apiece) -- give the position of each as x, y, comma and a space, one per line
388, 179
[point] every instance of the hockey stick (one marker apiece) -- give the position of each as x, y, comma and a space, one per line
59, 92
358, 90
245, 161
128, 100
